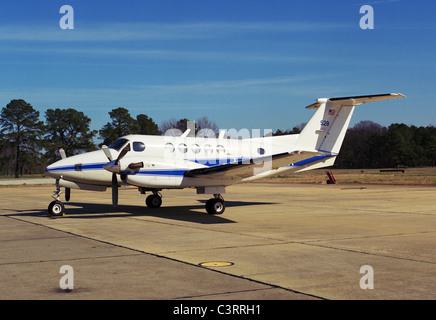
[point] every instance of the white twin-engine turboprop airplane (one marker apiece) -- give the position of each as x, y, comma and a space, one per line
153, 163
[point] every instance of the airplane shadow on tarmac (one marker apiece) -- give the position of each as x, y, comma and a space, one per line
190, 213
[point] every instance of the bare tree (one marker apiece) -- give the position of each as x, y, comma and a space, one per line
205, 123
203, 127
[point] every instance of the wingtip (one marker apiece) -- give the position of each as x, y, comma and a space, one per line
400, 95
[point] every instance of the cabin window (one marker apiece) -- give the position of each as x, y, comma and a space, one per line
261, 151
183, 148
220, 149
138, 146
208, 149
169, 147
118, 144
195, 148
78, 167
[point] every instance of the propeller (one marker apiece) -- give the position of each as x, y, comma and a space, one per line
114, 167
107, 152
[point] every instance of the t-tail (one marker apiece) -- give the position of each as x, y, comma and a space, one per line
326, 129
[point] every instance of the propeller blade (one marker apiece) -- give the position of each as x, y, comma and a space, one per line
114, 166
107, 152
122, 153
114, 189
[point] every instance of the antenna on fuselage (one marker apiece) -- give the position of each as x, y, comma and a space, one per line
222, 134
185, 134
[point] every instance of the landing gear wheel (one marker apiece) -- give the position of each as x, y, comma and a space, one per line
215, 206
56, 209
153, 201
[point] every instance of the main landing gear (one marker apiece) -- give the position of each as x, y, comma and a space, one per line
215, 205
56, 208
154, 200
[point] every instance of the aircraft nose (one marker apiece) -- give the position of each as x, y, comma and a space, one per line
54, 169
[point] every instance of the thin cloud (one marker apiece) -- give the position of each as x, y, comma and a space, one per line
254, 83
154, 31
135, 92
159, 54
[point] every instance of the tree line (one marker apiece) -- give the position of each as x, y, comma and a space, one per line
370, 145
29, 144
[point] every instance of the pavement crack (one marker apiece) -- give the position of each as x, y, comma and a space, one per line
70, 259
370, 236
366, 253
221, 293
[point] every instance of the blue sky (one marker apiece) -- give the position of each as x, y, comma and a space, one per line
244, 64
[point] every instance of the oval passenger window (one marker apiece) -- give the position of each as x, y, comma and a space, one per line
138, 146
195, 148
183, 148
220, 149
208, 149
169, 147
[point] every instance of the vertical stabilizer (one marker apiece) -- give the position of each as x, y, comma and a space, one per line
326, 129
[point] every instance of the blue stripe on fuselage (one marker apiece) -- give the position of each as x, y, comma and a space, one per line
310, 160
178, 172
74, 167
219, 161
171, 172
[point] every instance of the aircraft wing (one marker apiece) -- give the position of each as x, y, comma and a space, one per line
245, 168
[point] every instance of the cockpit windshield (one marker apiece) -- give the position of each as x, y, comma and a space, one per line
118, 144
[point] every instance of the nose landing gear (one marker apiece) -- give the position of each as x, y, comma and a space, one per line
56, 208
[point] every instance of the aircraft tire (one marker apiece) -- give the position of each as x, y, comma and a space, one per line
153, 201
56, 209
215, 206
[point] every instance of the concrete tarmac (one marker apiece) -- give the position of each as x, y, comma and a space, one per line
274, 241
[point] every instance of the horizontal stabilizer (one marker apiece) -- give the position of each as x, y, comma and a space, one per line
357, 100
